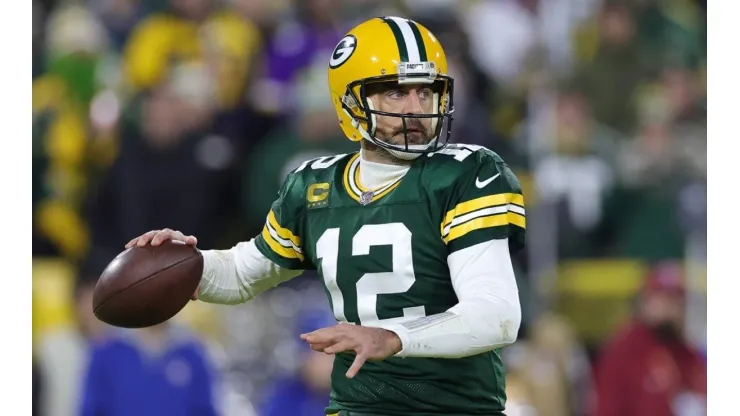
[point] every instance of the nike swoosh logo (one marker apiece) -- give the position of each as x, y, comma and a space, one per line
480, 184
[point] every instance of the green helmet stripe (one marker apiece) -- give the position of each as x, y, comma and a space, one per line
419, 41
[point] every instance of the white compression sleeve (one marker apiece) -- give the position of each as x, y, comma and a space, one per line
239, 274
487, 316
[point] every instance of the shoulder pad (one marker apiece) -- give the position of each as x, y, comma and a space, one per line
320, 169
456, 160
465, 155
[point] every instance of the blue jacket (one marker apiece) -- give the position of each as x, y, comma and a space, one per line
123, 379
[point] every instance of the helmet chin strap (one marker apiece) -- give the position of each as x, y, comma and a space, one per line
398, 153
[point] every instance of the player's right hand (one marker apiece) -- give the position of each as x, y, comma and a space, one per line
157, 237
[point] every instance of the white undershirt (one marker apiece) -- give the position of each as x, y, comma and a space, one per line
375, 175
487, 316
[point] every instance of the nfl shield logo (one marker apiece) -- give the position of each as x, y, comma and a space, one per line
366, 198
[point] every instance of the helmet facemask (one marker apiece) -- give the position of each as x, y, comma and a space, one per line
359, 107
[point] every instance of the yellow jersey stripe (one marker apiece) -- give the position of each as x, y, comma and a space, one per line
286, 252
485, 222
518, 220
283, 233
479, 203
517, 199
347, 186
387, 191
357, 179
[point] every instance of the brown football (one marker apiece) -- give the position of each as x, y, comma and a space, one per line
145, 286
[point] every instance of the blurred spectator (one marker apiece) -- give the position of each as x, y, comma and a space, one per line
558, 22
550, 369
62, 353
648, 368
161, 39
296, 44
655, 168
76, 43
311, 133
574, 173
655, 155
673, 33
503, 34
230, 43
518, 400
167, 159
307, 392
58, 176
71, 57
193, 31
161, 370
610, 77
503, 39
224, 44
232, 50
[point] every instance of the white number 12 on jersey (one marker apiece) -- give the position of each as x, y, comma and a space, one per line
370, 285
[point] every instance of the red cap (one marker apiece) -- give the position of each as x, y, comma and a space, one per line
665, 278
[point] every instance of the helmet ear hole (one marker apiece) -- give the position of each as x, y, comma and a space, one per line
349, 100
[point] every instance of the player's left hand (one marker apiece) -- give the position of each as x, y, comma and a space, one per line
368, 343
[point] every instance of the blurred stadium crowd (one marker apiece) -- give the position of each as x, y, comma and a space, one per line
187, 114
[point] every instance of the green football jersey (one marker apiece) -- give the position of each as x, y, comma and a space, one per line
382, 256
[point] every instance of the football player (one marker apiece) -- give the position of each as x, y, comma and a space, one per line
411, 235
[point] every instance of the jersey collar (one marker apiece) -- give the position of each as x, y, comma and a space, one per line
360, 193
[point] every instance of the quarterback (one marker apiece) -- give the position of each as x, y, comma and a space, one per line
411, 236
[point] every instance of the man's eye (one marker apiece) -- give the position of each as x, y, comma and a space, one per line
395, 94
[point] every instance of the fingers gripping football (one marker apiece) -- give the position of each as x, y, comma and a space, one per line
157, 237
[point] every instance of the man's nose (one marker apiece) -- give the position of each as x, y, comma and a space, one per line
413, 103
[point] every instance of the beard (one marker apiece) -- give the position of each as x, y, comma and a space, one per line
667, 332
414, 133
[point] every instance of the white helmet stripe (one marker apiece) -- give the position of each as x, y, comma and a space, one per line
408, 38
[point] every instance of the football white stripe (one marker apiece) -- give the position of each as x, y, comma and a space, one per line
283, 242
409, 39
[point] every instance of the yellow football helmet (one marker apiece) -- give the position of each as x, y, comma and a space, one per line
387, 49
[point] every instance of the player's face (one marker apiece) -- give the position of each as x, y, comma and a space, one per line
403, 99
